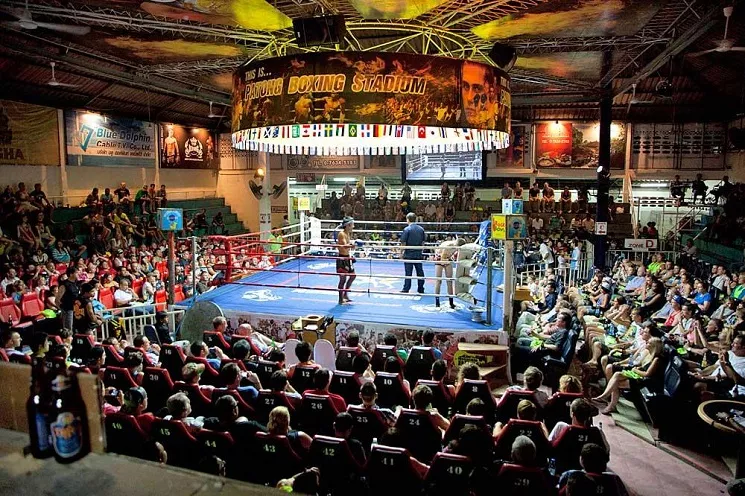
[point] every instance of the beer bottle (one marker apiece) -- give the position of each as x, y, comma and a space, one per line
38, 408
68, 421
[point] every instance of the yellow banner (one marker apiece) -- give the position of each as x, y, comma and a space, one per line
28, 134
303, 203
498, 226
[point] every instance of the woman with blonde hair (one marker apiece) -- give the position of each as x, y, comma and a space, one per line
569, 384
279, 425
649, 368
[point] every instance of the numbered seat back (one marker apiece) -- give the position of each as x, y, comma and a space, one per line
112, 355
244, 408
515, 480
159, 386
182, 448
441, 398
347, 385
216, 339
528, 428
558, 409
421, 436
568, 446
419, 363
448, 475
273, 459
265, 369
81, 348
210, 376
471, 389
267, 400
344, 358
302, 378
172, 358
124, 435
507, 407
368, 424
391, 391
459, 421
390, 468
317, 414
339, 469
119, 378
201, 404
219, 444
381, 354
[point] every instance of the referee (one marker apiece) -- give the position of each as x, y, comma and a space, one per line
413, 235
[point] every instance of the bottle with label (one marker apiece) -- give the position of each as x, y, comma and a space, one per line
38, 408
68, 422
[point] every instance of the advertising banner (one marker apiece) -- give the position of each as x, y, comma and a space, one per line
187, 148
371, 88
553, 144
28, 134
322, 163
498, 226
101, 140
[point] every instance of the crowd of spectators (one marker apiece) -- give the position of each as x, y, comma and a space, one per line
239, 407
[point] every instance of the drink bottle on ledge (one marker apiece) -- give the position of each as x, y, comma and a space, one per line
68, 421
38, 408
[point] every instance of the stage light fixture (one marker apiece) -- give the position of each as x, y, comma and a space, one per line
504, 56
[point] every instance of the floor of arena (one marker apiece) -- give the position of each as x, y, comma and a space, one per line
308, 292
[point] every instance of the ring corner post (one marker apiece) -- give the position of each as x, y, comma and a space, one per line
489, 283
171, 267
509, 286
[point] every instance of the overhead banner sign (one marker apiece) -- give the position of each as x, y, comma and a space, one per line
28, 134
577, 145
101, 140
366, 87
184, 147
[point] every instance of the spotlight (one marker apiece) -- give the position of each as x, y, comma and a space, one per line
260, 173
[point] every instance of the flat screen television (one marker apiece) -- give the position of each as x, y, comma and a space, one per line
439, 167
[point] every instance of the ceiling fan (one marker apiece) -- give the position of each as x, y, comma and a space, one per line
724, 45
25, 21
56, 84
213, 115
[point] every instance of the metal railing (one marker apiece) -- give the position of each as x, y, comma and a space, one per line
638, 256
132, 325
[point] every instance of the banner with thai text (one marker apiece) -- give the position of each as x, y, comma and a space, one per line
102, 140
28, 134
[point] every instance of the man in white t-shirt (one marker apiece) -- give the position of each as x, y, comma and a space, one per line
124, 295
731, 365
547, 256
536, 223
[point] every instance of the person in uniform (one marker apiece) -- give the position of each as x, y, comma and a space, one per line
444, 265
345, 262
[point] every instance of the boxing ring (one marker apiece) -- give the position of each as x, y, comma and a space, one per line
303, 281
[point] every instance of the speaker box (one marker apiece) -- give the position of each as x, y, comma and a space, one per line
314, 31
736, 137
504, 56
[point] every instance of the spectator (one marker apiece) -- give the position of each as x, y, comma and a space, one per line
507, 191
594, 461
343, 426
279, 425
321, 382
179, 408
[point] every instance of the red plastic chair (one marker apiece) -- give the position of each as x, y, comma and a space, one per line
178, 293
161, 300
31, 306
11, 314
119, 378
112, 355
124, 435
201, 404
61, 268
3, 356
159, 386
137, 286
182, 447
172, 358
210, 376
106, 297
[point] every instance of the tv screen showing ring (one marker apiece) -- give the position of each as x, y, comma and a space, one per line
462, 166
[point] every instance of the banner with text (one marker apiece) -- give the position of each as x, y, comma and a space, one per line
184, 147
28, 134
322, 163
371, 88
101, 140
553, 144
577, 145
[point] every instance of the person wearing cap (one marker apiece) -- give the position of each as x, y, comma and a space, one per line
345, 262
85, 320
414, 236
444, 255
135, 404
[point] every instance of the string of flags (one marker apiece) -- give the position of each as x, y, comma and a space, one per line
384, 139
